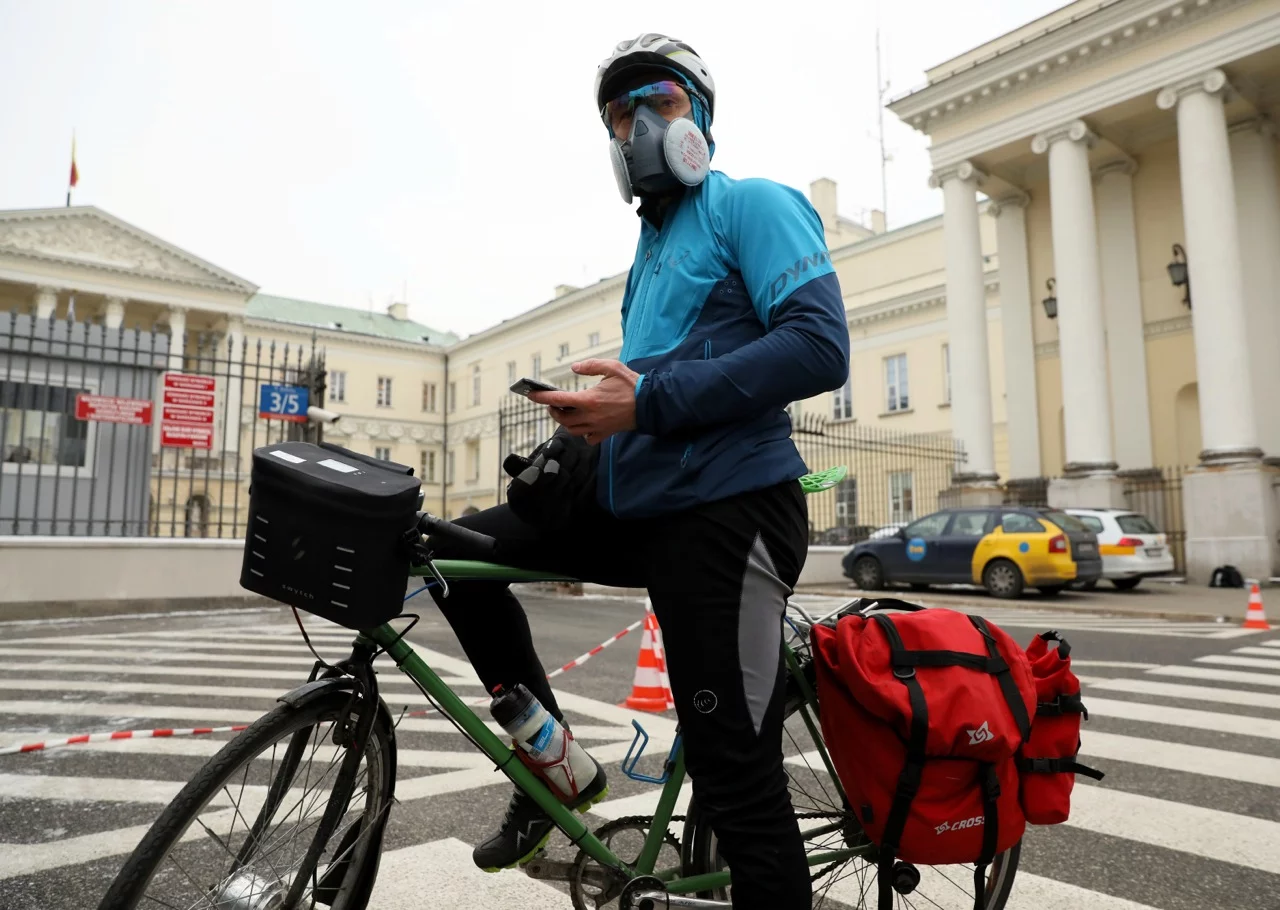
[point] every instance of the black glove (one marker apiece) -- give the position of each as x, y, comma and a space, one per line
555, 483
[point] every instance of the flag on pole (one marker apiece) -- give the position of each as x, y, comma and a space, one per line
74, 177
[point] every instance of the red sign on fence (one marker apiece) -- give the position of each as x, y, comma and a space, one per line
186, 411
111, 409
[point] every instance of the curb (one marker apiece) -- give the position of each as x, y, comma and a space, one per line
1046, 605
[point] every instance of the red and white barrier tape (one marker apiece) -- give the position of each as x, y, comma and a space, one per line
197, 731
119, 734
579, 661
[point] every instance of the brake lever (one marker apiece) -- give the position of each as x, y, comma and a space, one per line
435, 573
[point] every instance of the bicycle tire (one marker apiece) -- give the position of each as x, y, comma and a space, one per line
700, 853
281, 724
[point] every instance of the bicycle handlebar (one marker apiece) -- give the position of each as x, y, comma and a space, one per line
482, 545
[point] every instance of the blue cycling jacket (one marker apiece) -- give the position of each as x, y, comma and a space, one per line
732, 311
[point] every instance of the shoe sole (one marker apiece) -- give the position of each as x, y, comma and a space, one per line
529, 857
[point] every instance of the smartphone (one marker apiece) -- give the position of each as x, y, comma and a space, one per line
527, 385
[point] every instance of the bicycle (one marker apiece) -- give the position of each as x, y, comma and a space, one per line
305, 849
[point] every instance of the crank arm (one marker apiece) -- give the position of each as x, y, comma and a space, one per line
550, 870
661, 900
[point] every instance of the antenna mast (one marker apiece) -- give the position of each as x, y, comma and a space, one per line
882, 89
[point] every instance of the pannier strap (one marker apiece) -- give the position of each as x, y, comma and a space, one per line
990, 833
990, 665
1067, 765
1007, 684
1063, 704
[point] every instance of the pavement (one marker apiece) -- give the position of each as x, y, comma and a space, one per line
1184, 720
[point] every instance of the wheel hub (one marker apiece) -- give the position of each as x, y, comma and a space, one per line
247, 891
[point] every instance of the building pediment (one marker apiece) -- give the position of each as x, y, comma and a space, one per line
90, 238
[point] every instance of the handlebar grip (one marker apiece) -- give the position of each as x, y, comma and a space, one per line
480, 546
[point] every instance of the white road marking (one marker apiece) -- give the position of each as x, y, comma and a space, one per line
295, 677
441, 874
1154, 753
144, 688
1259, 652
1226, 660
1241, 724
1035, 892
1117, 664
1208, 673
1191, 693
1224, 836
642, 803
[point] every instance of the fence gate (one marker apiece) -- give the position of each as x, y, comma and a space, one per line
1158, 495
82, 451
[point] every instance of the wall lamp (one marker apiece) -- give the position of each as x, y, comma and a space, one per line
1178, 273
1051, 302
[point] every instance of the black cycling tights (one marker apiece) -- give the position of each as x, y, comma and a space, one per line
718, 576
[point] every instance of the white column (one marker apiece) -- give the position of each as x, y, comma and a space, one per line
1122, 310
1081, 339
113, 314
1253, 163
1227, 424
1021, 404
233, 348
967, 322
177, 336
46, 302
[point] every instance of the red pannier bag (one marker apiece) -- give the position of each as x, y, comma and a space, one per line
923, 715
1047, 761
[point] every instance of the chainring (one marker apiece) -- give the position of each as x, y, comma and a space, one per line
640, 823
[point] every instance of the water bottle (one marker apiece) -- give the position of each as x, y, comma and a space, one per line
548, 748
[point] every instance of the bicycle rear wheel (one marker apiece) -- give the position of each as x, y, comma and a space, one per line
829, 825
242, 833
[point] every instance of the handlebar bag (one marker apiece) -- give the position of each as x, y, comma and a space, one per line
327, 532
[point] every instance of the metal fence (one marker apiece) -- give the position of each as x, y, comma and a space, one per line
81, 412
1156, 493
893, 477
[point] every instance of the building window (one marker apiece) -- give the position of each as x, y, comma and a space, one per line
842, 401
382, 453
448, 467
593, 340
337, 386
384, 391
902, 507
511, 372
38, 426
452, 404
429, 397
895, 383
475, 385
946, 373
537, 367
564, 351
847, 502
473, 461
427, 467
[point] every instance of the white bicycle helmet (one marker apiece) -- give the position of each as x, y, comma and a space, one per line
647, 51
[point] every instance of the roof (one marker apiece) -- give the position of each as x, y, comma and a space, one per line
343, 319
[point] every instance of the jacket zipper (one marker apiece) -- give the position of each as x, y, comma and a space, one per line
609, 475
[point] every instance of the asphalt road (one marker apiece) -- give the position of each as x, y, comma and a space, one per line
1184, 718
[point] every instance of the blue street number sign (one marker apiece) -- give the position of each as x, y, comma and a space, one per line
283, 402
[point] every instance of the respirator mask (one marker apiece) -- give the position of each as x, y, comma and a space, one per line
664, 148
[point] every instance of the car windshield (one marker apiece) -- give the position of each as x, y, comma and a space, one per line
1136, 524
1063, 520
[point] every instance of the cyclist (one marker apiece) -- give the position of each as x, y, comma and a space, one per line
731, 311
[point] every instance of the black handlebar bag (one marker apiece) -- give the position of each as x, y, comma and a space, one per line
327, 532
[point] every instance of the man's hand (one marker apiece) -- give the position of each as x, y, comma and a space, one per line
604, 409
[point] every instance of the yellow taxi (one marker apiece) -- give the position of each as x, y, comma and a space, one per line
1002, 548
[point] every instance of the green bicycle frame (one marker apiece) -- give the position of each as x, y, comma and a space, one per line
504, 758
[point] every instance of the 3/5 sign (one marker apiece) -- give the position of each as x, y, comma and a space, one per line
283, 402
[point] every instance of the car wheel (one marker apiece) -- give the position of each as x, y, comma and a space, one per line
1051, 590
1002, 579
1085, 585
867, 574
1126, 584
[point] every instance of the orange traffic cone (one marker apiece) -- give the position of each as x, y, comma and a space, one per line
651, 690
1254, 618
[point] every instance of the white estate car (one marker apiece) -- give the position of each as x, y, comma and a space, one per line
1131, 547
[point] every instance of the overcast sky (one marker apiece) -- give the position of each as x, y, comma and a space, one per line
346, 152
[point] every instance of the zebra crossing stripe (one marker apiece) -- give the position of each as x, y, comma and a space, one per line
1240, 724
1227, 660
443, 870
1172, 756
1190, 693
1212, 675
294, 676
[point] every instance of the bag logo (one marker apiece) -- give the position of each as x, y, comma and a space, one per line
960, 825
981, 735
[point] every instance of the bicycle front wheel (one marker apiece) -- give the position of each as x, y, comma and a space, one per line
828, 825
243, 832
